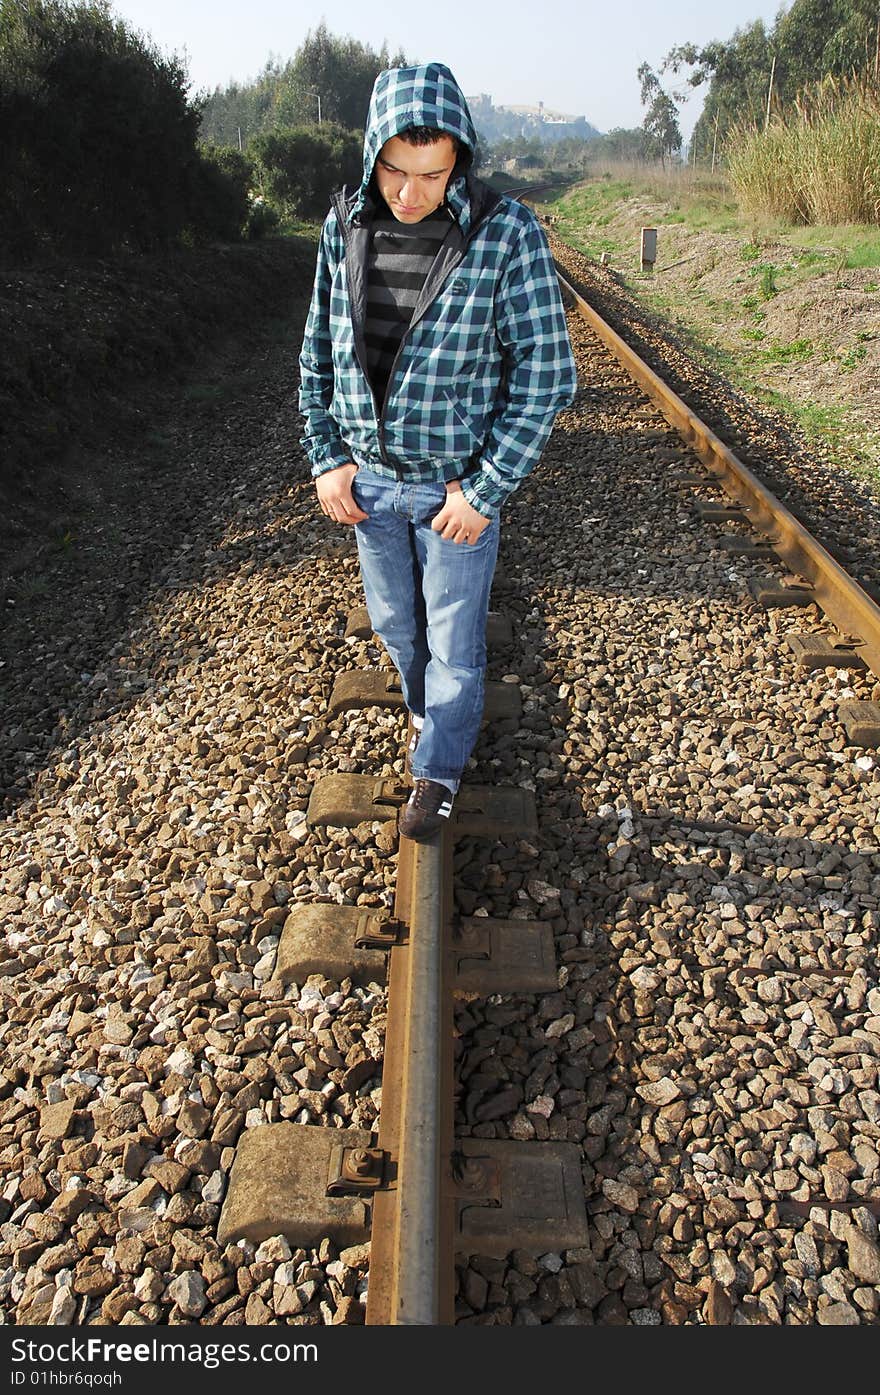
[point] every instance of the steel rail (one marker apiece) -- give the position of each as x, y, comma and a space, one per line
411, 1260
852, 611
416, 1298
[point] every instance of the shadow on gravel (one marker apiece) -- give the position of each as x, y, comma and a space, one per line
183, 496
650, 908
684, 942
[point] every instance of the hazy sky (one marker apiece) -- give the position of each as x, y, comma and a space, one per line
576, 56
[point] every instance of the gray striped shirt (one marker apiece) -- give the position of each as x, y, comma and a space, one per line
399, 259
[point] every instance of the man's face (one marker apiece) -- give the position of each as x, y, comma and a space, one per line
412, 179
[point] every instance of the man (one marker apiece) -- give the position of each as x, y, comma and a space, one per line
435, 359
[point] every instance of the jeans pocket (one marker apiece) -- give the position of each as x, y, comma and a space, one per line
365, 486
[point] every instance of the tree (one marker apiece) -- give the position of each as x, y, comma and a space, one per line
812, 40
99, 137
622, 144
341, 71
329, 76
299, 167
241, 109
661, 120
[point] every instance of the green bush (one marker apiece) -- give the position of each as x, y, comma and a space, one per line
299, 167
219, 193
262, 220
99, 147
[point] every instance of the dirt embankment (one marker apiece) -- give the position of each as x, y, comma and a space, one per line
794, 321
86, 349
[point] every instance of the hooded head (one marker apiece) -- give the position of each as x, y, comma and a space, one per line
427, 95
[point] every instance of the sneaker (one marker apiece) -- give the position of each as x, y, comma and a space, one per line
423, 814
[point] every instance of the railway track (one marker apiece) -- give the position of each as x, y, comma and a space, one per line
687, 867
417, 1179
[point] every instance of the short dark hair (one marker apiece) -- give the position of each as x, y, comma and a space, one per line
428, 135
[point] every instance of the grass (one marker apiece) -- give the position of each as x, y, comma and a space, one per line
840, 435
301, 227
796, 351
32, 588
727, 296
816, 163
835, 430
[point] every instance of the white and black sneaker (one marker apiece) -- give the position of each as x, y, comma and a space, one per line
425, 811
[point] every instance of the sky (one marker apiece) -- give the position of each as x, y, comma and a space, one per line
576, 56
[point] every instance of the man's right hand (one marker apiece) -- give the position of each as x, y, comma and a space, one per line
335, 496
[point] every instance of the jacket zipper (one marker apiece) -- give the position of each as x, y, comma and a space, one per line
343, 224
425, 308
380, 414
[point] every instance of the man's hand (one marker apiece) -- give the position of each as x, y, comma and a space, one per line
335, 496
458, 521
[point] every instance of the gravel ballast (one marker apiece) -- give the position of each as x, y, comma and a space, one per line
708, 860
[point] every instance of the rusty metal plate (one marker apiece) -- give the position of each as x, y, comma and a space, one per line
773, 594
322, 940
347, 800
745, 547
504, 956
494, 811
721, 513
277, 1187
367, 687
542, 1208
861, 721
503, 702
485, 811
380, 687
823, 651
499, 631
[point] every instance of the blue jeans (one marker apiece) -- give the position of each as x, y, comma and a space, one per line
428, 600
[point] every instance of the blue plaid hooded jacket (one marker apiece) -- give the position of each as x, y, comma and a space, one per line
486, 362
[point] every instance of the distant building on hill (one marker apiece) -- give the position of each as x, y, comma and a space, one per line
532, 122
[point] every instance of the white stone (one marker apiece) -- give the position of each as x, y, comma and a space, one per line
188, 1292
181, 1062
659, 1092
645, 979
63, 1309
560, 1026
543, 1105
215, 1187
276, 1249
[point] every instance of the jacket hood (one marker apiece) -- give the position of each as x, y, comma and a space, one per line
427, 95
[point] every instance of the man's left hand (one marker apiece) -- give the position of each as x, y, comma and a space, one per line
458, 521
